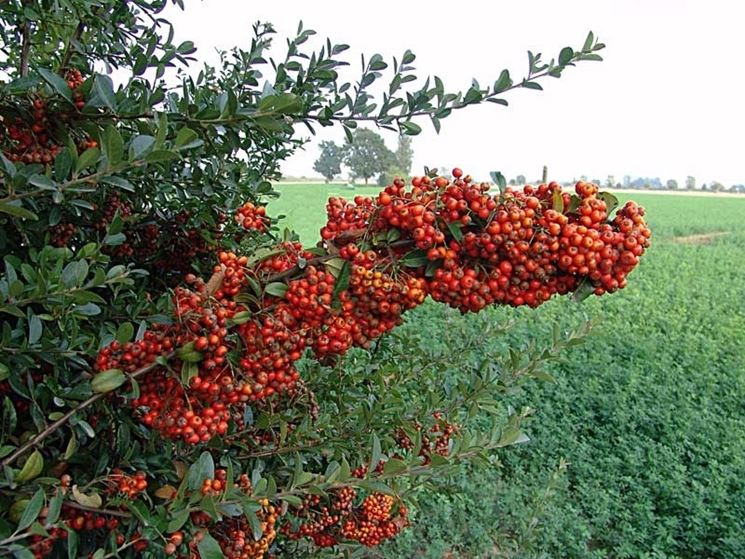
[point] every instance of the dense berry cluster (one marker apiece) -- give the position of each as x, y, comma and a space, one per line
252, 217
452, 240
126, 485
343, 516
473, 249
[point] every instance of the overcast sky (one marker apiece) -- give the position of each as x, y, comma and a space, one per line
667, 101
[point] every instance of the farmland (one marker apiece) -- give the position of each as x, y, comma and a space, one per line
649, 411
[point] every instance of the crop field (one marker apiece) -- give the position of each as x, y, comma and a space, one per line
649, 412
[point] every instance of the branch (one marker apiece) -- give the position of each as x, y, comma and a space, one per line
25, 47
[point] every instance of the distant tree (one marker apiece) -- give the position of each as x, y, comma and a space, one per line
690, 182
404, 154
583, 178
619, 185
627, 181
704, 186
520, 179
610, 181
330, 160
512, 182
367, 155
716, 186
672, 184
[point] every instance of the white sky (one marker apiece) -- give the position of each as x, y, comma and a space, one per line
667, 101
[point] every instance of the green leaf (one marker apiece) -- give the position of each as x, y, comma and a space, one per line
411, 128
532, 85
119, 182
188, 371
256, 530
125, 332
62, 164
178, 520
499, 180
209, 548
185, 136
276, 289
112, 144
293, 500
455, 231
161, 155
394, 466
583, 291
32, 510
415, 259
87, 158
34, 329
72, 544
557, 201
342, 280
544, 376
140, 146
203, 468
103, 87
57, 82
473, 95
108, 380
17, 211
588, 42
565, 56
611, 202
55, 506
574, 202
31, 468
89, 309
376, 453
503, 82
8, 167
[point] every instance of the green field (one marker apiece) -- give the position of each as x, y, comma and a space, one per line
649, 411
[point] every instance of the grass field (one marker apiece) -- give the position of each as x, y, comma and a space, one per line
649, 411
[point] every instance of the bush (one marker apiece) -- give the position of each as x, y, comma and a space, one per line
156, 400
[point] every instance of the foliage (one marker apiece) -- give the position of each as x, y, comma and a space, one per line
366, 154
330, 160
112, 194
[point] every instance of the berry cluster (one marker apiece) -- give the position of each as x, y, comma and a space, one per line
128, 486
252, 217
96, 529
474, 249
32, 137
333, 519
434, 441
32, 140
